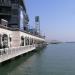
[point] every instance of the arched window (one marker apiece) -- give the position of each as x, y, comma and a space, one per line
27, 40
0, 42
31, 41
5, 40
22, 41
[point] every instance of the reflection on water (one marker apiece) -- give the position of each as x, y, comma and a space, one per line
53, 60
14, 67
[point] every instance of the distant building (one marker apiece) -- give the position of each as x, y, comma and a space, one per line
37, 24
14, 11
33, 31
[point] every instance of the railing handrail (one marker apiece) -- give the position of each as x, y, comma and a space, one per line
15, 49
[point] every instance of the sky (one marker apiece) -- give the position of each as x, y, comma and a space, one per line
57, 18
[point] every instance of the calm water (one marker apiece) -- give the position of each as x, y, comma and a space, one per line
53, 60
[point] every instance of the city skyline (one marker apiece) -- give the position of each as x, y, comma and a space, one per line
57, 18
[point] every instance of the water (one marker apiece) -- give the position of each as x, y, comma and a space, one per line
53, 60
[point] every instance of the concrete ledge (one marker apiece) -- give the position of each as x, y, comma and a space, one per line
14, 52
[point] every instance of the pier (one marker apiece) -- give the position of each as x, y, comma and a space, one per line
20, 43
8, 53
15, 36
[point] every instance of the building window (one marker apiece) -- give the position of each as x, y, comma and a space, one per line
14, 12
14, 1
0, 42
10, 39
3, 1
22, 41
27, 41
5, 40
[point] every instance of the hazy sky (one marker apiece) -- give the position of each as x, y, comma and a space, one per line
57, 17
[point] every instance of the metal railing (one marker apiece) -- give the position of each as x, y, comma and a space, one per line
14, 50
8, 53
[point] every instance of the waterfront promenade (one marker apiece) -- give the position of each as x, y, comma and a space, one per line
9, 53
